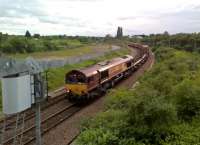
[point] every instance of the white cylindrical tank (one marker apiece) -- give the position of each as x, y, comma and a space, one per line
16, 93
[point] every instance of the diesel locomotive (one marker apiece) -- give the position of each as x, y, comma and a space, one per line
89, 82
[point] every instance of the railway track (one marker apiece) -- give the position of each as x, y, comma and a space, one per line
128, 82
46, 124
51, 121
30, 113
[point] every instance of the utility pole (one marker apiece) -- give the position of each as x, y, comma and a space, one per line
38, 95
38, 124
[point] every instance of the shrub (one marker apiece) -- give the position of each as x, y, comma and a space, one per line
104, 129
97, 137
119, 99
188, 100
151, 119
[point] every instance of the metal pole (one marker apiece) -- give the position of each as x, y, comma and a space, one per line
3, 130
38, 123
37, 84
47, 85
15, 131
22, 130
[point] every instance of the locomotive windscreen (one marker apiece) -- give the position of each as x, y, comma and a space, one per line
75, 77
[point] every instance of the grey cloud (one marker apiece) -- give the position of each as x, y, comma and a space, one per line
56, 19
127, 18
197, 7
84, 0
186, 20
21, 8
152, 15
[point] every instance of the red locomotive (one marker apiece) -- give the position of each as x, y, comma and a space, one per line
91, 81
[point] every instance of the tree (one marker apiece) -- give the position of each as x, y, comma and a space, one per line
119, 32
166, 33
1, 36
27, 34
36, 36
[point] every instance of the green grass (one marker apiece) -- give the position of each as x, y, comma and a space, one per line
58, 53
67, 52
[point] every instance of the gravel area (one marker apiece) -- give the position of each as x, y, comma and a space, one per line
62, 134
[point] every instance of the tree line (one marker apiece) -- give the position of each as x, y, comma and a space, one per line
36, 43
181, 41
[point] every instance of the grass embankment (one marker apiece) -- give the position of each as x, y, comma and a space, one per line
164, 109
56, 75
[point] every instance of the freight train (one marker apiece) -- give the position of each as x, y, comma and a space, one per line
89, 82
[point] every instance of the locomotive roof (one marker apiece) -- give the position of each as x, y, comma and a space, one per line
88, 71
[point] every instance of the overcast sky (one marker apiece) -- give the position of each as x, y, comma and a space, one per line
99, 17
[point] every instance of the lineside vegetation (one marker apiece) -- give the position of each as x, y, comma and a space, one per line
164, 109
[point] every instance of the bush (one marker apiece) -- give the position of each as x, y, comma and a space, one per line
164, 53
97, 137
18, 45
119, 99
152, 119
49, 46
188, 100
104, 129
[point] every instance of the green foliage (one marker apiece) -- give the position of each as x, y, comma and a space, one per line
27, 34
164, 109
36, 36
152, 119
37, 43
181, 41
98, 137
108, 133
188, 99
49, 46
118, 99
164, 53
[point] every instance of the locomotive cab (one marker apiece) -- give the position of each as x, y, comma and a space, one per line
76, 82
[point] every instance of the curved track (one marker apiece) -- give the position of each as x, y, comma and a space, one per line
128, 82
57, 117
